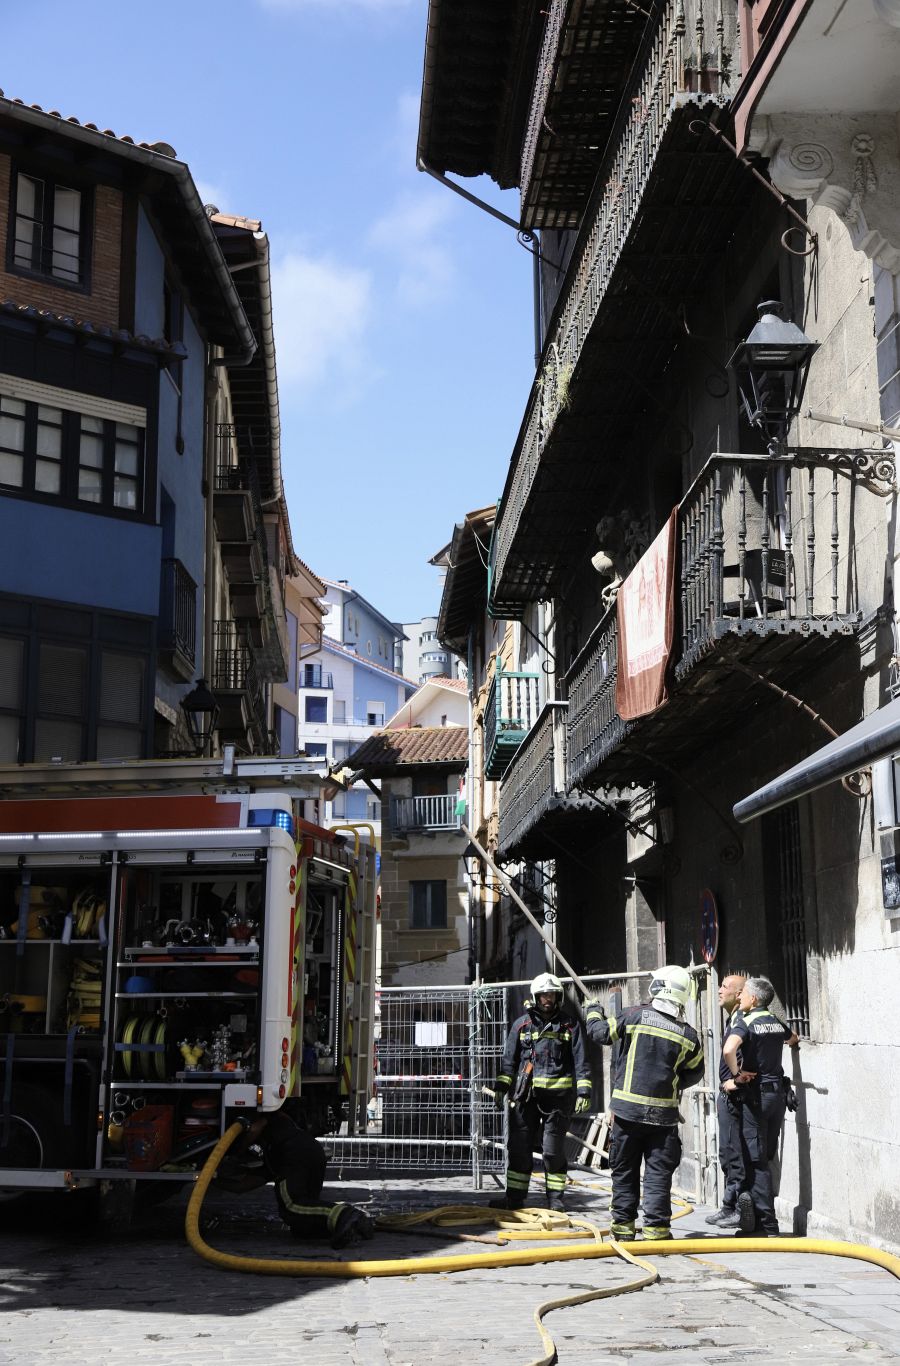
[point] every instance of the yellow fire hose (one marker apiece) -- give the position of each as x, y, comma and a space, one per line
582, 1250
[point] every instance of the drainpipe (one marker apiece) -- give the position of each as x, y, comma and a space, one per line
209, 584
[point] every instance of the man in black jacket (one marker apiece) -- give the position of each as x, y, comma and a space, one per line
658, 1054
295, 1162
545, 1068
752, 1052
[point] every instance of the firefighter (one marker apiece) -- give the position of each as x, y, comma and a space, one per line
546, 1076
295, 1162
658, 1054
728, 1102
752, 1053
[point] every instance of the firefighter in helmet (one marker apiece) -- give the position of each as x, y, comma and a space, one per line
546, 1077
658, 1054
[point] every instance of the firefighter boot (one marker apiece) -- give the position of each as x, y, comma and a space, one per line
556, 1201
746, 1213
622, 1228
351, 1226
510, 1200
726, 1217
656, 1233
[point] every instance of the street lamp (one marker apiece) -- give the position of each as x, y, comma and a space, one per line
772, 366
201, 711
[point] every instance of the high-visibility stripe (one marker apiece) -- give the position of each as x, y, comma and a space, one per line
585, 1085
620, 1094
517, 1180
297, 1005
556, 1181
554, 1083
350, 934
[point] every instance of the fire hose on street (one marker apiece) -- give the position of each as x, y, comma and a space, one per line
589, 1246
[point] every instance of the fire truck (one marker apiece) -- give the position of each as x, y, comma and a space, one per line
178, 946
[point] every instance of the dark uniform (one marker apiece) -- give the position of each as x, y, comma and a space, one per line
656, 1057
728, 1113
762, 1105
296, 1164
545, 1069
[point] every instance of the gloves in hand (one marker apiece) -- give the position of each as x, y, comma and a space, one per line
593, 1001
500, 1090
582, 1105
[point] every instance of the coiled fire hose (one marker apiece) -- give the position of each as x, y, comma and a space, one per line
633, 1252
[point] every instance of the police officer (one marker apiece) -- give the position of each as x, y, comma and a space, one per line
752, 1053
295, 1162
546, 1075
657, 1055
731, 1155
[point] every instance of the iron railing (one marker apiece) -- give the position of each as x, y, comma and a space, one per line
424, 813
178, 611
530, 784
313, 677
636, 142
594, 728
234, 671
511, 710
761, 543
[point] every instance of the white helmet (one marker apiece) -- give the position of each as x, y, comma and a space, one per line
546, 982
671, 984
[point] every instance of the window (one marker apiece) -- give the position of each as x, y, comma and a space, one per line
340, 709
428, 905
316, 709
373, 810
786, 913
374, 718
61, 454
73, 684
341, 749
50, 235
315, 749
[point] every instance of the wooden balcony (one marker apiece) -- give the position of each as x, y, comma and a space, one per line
664, 204
510, 712
761, 589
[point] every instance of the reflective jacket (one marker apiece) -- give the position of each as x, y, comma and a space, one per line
656, 1058
548, 1056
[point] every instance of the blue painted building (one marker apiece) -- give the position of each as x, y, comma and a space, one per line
117, 305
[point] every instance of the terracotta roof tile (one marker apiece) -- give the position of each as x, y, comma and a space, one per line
458, 684
163, 148
391, 750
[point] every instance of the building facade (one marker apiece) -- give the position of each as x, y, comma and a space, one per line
423, 655
772, 542
138, 440
424, 922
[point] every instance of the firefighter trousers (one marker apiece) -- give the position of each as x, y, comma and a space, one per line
531, 1129
658, 1147
731, 1153
298, 1191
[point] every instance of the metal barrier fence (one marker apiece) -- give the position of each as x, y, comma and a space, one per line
436, 1050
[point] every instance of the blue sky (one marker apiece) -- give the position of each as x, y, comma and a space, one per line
403, 314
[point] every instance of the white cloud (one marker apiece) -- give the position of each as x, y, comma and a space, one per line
412, 232
211, 193
321, 312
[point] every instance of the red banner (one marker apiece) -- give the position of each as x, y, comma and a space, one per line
645, 614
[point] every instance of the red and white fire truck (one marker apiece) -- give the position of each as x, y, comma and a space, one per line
177, 946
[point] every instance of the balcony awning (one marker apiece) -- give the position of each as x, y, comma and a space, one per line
874, 738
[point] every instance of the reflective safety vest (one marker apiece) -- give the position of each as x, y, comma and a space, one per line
548, 1055
656, 1058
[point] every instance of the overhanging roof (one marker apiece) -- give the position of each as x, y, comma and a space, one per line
476, 86
152, 170
874, 738
397, 751
465, 586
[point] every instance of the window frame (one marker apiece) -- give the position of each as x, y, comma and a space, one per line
70, 464
51, 184
429, 884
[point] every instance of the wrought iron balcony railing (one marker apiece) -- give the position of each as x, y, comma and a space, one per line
761, 545
178, 616
314, 677
239, 689
511, 710
654, 116
588, 53
530, 784
409, 814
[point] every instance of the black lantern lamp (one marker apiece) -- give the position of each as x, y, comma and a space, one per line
201, 711
471, 862
772, 366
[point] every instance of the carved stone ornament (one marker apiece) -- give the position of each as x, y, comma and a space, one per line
843, 162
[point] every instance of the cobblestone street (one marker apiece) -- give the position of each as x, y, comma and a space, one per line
72, 1295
